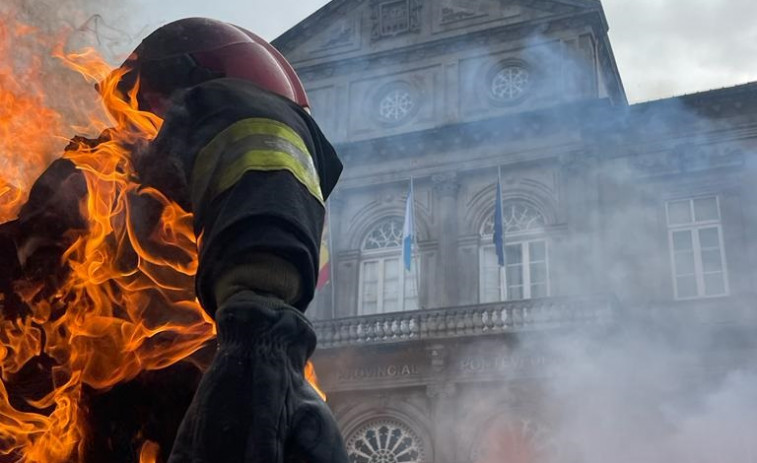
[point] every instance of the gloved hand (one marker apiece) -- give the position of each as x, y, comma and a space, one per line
254, 405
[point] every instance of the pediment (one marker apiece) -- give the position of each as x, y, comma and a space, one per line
354, 27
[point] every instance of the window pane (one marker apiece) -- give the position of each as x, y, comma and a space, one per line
679, 212
714, 284
687, 286
684, 263
391, 297
391, 268
391, 304
711, 261
706, 209
370, 287
513, 254
369, 308
537, 251
514, 293
539, 290
490, 293
370, 271
411, 303
708, 238
538, 273
490, 257
514, 275
682, 240
411, 283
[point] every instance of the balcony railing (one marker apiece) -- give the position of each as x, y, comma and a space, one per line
476, 320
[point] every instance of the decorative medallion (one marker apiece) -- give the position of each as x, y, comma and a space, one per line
385, 441
395, 17
396, 102
509, 82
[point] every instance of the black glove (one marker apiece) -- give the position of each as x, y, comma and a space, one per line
254, 405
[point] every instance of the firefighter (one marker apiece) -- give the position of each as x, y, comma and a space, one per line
240, 150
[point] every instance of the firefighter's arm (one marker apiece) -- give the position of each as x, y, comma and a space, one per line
254, 182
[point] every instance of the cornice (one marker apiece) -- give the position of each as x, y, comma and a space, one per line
447, 45
310, 25
463, 135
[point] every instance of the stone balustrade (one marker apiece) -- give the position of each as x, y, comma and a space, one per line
475, 320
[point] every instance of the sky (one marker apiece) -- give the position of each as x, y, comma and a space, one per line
663, 47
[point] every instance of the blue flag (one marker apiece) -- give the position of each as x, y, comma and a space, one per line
499, 227
408, 230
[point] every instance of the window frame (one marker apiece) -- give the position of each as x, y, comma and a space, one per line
382, 256
693, 228
504, 288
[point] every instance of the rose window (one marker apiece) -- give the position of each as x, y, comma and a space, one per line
385, 441
510, 83
396, 105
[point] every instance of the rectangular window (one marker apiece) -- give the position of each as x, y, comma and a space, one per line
385, 286
696, 246
524, 276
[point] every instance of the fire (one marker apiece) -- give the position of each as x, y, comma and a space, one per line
26, 122
126, 303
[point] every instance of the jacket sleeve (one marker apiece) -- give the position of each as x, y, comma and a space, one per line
256, 171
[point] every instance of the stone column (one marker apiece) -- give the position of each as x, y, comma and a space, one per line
442, 399
336, 302
446, 188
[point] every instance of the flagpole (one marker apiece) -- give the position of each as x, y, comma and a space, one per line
499, 201
332, 260
415, 240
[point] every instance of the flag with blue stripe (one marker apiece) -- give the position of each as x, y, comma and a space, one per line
499, 228
408, 230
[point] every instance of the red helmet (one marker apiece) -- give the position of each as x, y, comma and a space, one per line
190, 51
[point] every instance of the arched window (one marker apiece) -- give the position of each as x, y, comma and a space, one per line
385, 284
526, 271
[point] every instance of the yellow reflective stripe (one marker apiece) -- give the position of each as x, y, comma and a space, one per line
253, 144
260, 160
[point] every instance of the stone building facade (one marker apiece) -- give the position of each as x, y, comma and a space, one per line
612, 212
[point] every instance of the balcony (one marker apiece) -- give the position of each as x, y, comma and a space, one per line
466, 321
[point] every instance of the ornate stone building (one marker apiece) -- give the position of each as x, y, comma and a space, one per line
612, 212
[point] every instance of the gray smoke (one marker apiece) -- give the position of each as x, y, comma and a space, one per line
666, 381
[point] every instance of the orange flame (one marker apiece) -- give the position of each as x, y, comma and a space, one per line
127, 303
26, 121
149, 452
312, 378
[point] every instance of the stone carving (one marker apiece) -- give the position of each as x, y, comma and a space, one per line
340, 35
385, 441
509, 82
395, 17
460, 10
437, 357
391, 371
